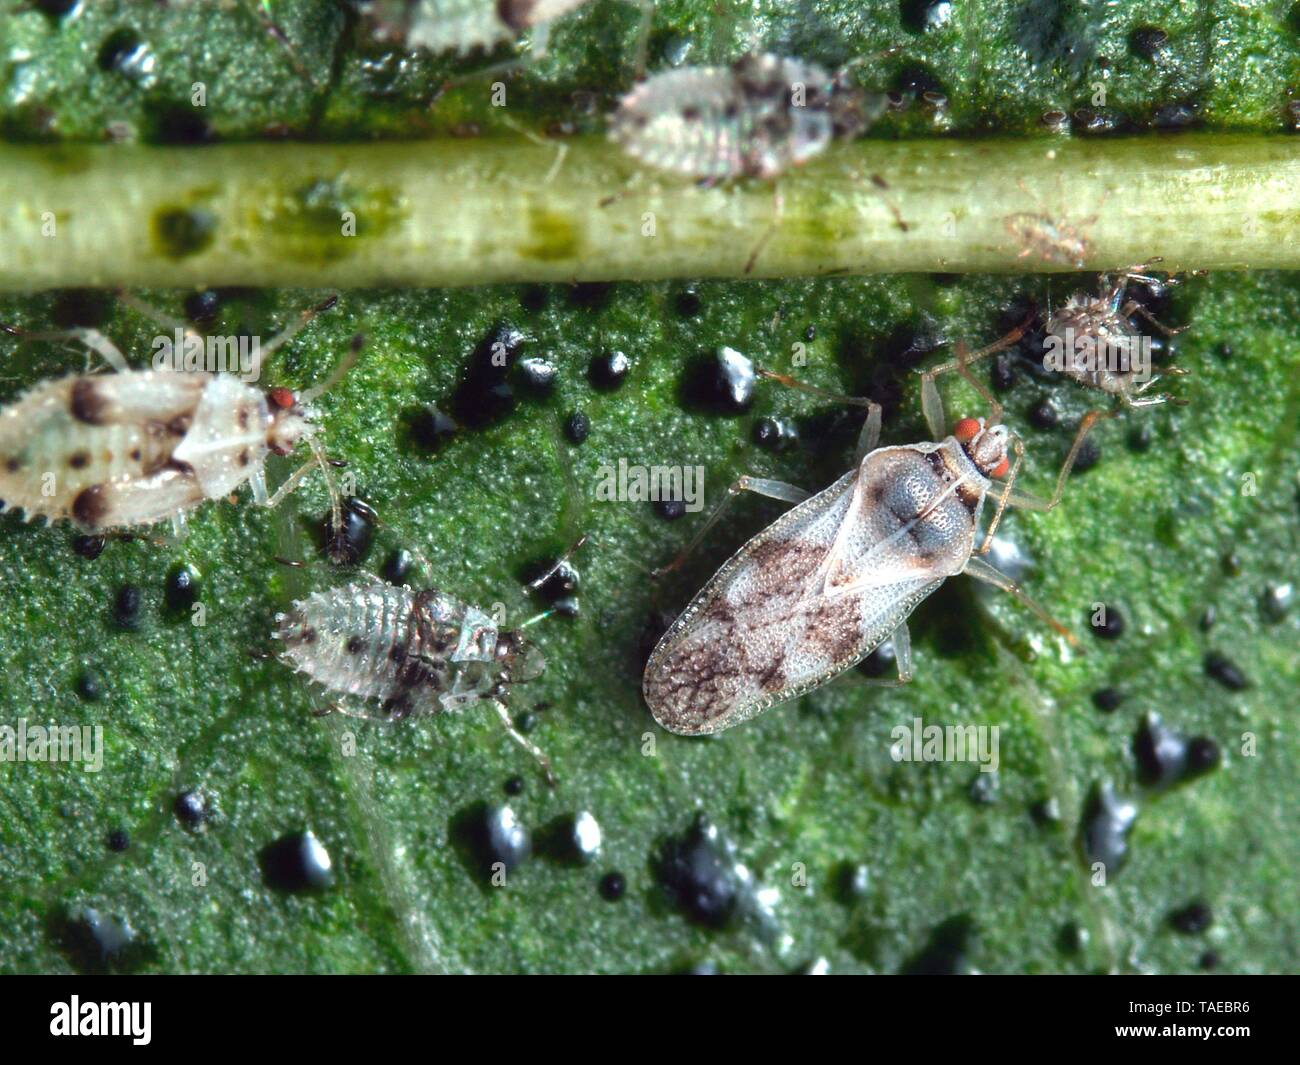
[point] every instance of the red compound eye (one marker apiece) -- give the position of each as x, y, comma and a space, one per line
1000, 470
281, 397
966, 429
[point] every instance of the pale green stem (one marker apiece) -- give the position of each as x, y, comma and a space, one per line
465, 212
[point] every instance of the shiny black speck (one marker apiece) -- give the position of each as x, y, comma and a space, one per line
721, 382
1192, 919
350, 543
536, 375
514, 786
397, 566
431, 428
1107, 700
90, 686
577, 428
1148, 42
1112, 624
1043, 415
695, 870
190, 808
687, 303
608, 370
181, 589
118, 840
296, 862
89, 547
670, 509
1225, 671
612, 887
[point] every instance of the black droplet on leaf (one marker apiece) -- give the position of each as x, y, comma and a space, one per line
536, 375
495, 836
1043, 415
1110, 626
1161, 753
880, 662
431, 428
397, 566
514, 786
1107, 820
945, 953
612, 886
1203, 755
699, 875
1107, 700
1225, 671
1192, 919
118, 840
87, 546
296, 862
191, 808
202, 307
90, 686
484, 395
577, 427
608, 370
670, 509
181, 589
1148, 42
719, 383
126, 607
687, 303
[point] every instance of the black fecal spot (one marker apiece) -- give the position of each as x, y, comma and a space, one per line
946, 952
880, 662
191, 809
126, 607
296, 862
86, 402
81, 308
1175, 116
397, 567
97, 942
484, 395
526, 722
1275, 602
670, 509
173, 122
719, 383
1088, 456
608, 370
90, 686
573, 838
687, 303
917, 16
494, 838
514, 786
430, 428
179, 232
118, 840
577, 427
852, 882
202, 307
1192, 919
1107, 700
1046, 812
774, 434
917, 80
123, 52
1225, 671
1106, 622
55, 9
1043, 415
1209, 960
533, 298
1148, 42
536, 375
87, 546
1139, 438
355, 645
1161, 753
78, 460
181, 588
562, 578
590, 295
699, 874
612, 886
349, 544
1107, 819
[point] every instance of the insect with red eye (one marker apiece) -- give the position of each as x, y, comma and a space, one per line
835, 577
136, 447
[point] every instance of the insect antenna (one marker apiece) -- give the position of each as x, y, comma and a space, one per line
528, 745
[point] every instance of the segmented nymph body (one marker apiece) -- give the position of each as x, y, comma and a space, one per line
112, 451
755, 118
417, 653
1101, 346
460, 26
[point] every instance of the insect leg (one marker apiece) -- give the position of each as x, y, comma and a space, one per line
1024, 500
981, 570
90, 338
870, 435
290, 331
291, 482
902, 641
523, 741
932, 406
787, 493
1133, 307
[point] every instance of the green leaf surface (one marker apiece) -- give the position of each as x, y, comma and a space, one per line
1186, 510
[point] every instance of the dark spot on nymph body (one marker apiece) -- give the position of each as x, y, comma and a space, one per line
87, 403
355, 644
91, 506
78, 460
517, 14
